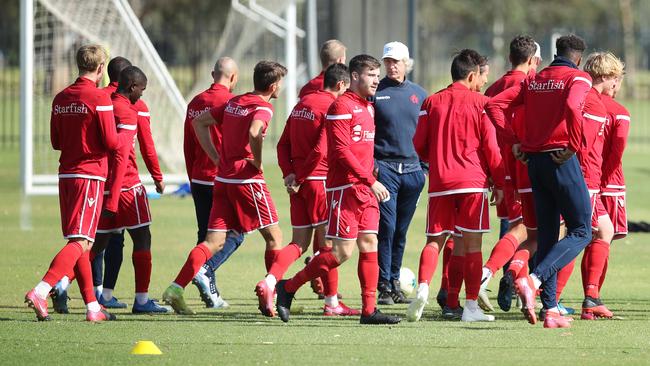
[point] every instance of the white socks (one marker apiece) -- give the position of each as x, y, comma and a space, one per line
64, 283
536, 281
423, 291
141, 297
270, 280
471, 305
107, 294
485, 278
554, 310
332, 301
202, 270
93, 306
176, 285
42, 289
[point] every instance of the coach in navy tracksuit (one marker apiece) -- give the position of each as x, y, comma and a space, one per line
397, 104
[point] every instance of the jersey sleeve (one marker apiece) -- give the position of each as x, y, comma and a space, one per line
264, 114
127, 128
147, 146
618, 140
421, 136
106, 120
54, 129
317, 154
339, 130
491, 152
578, 90
284, 150
189, 142
496, 108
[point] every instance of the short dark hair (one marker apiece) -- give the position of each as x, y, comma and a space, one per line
466, 61
362, 62
266, 73
521, 49
115, 67
335, 73
129, 76
570, 46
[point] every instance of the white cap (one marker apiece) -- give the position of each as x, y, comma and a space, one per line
396, 51
538, 51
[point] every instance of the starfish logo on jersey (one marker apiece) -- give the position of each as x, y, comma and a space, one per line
72, 108
193, 113
236, 110
91, 201
304, 113
546, 86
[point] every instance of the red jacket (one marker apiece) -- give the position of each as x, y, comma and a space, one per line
82, 127
350, 128
200, 169
303, 145
312, 85
458, 141
616, 133
591, 154
234, 120
552, 101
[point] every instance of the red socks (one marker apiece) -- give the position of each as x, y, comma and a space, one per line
596, 258
446, 256
602, 276
456, 271
503, 250
63, 263
318, 267
519, 261
283, 260
368, 271
563, 277
473, 270
142, 269
85, 278
428, 264
269, 258
198, 256
330, 279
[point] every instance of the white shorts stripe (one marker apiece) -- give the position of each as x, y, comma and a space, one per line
457, 191
259, 216
92, 219
266, 201
137, 208
83, 208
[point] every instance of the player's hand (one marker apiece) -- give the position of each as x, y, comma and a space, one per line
496, 197
160, 186
375, 172
256, 164
519, 155
108, 214
380, 192
559, 157
293, 189
290, 180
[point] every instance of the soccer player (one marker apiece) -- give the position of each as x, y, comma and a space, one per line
352, 192
331, 52
126, 206
397, 166
524, 57
240, 200
605, 70
613, 180
82, 127
552, 102
459, 143
301, 155
201, 171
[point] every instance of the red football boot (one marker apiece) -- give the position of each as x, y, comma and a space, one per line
593, 308
555, 320
265, 298
526, 291
39, 305
341, 310
99, 316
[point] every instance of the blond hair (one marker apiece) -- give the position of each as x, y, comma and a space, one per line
600, 65
331, 51
89, 57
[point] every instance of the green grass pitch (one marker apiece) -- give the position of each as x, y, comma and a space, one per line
30, 236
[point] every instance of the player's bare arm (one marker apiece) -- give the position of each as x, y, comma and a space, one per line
255, 139
202, 125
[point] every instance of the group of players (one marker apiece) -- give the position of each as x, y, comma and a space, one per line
548, 145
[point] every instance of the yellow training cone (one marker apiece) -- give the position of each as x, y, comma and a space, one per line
145, 348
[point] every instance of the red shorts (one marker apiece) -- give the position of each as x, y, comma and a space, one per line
352, 210
458, 212
614, 203
510, 206
528, 208
80, 201
309, 205
597, 209
242, 208
132, 212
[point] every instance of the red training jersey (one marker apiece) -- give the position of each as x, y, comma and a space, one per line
200, 168
458, 141
82, 127
312, 85
616, 133
591, 153
234, 120
303, 145
350, 129
552, 101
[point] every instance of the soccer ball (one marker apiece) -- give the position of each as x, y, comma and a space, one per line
407, 280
